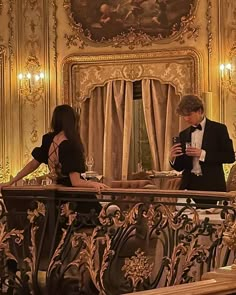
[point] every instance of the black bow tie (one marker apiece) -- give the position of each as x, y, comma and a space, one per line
193, 128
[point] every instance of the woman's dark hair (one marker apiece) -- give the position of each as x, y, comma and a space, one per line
66, 119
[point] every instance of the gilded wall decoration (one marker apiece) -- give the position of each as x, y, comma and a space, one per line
130, 23
1, 5
11, 30
179, 68
32, 27
30, 87
54, 31
4, 162
209, 26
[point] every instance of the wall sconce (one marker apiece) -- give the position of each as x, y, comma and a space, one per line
31, 82
226, 73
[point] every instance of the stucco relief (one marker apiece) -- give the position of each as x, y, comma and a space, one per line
181, 72
32, 26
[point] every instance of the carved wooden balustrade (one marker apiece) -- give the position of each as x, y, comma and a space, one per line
47, 246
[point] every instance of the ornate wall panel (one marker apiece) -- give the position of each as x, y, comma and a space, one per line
81, 74
33, 104
228, 55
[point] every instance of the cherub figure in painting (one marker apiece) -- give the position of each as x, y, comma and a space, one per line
135, 9
109, 14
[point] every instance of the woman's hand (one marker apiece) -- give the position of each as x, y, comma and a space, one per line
99, 186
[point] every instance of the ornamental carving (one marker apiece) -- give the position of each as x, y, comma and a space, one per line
130, 23
178, 68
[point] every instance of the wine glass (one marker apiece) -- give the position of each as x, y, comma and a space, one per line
89, 162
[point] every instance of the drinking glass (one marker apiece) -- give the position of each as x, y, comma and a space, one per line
89, 162
187, 144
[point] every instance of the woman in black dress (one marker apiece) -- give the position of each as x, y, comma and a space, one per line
62, 151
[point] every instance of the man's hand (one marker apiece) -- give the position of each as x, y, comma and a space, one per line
175, 151
193, 152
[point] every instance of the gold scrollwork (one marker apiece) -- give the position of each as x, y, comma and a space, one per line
169, 66
11, 30
132, 71
188, 30
132, 39
229, 239
29, 87
209, 23
137, 268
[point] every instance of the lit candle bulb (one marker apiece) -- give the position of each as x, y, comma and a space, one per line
29, 81
222, 68
20, 77
228, 67
36, 77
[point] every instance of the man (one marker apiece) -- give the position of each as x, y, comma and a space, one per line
203, 148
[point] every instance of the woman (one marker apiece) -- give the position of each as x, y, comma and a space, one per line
62, 151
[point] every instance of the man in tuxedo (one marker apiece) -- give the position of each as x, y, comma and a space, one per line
202, 149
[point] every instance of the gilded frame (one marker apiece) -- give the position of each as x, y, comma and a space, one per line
106, 23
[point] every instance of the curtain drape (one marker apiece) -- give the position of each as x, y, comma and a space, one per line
106, 124
108, 132
159, 105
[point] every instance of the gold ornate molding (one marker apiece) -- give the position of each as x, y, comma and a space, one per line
180, 68
232, 52
1, 5
229, 239
32, 23
209, 26
126, 33
228, 81
188, 30
4, 162
11, 30
137, 268
54, 30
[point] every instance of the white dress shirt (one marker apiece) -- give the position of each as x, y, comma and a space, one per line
196, 141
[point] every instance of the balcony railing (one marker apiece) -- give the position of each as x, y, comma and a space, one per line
57, 240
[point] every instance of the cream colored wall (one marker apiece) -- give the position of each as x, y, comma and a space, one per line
42, 28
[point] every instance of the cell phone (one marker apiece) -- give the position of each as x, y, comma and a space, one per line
175, 139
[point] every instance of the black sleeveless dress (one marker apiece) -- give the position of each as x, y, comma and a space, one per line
70, 159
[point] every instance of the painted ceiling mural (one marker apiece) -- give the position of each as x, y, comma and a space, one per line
105, 20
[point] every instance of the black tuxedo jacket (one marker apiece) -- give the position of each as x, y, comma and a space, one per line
219, 149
